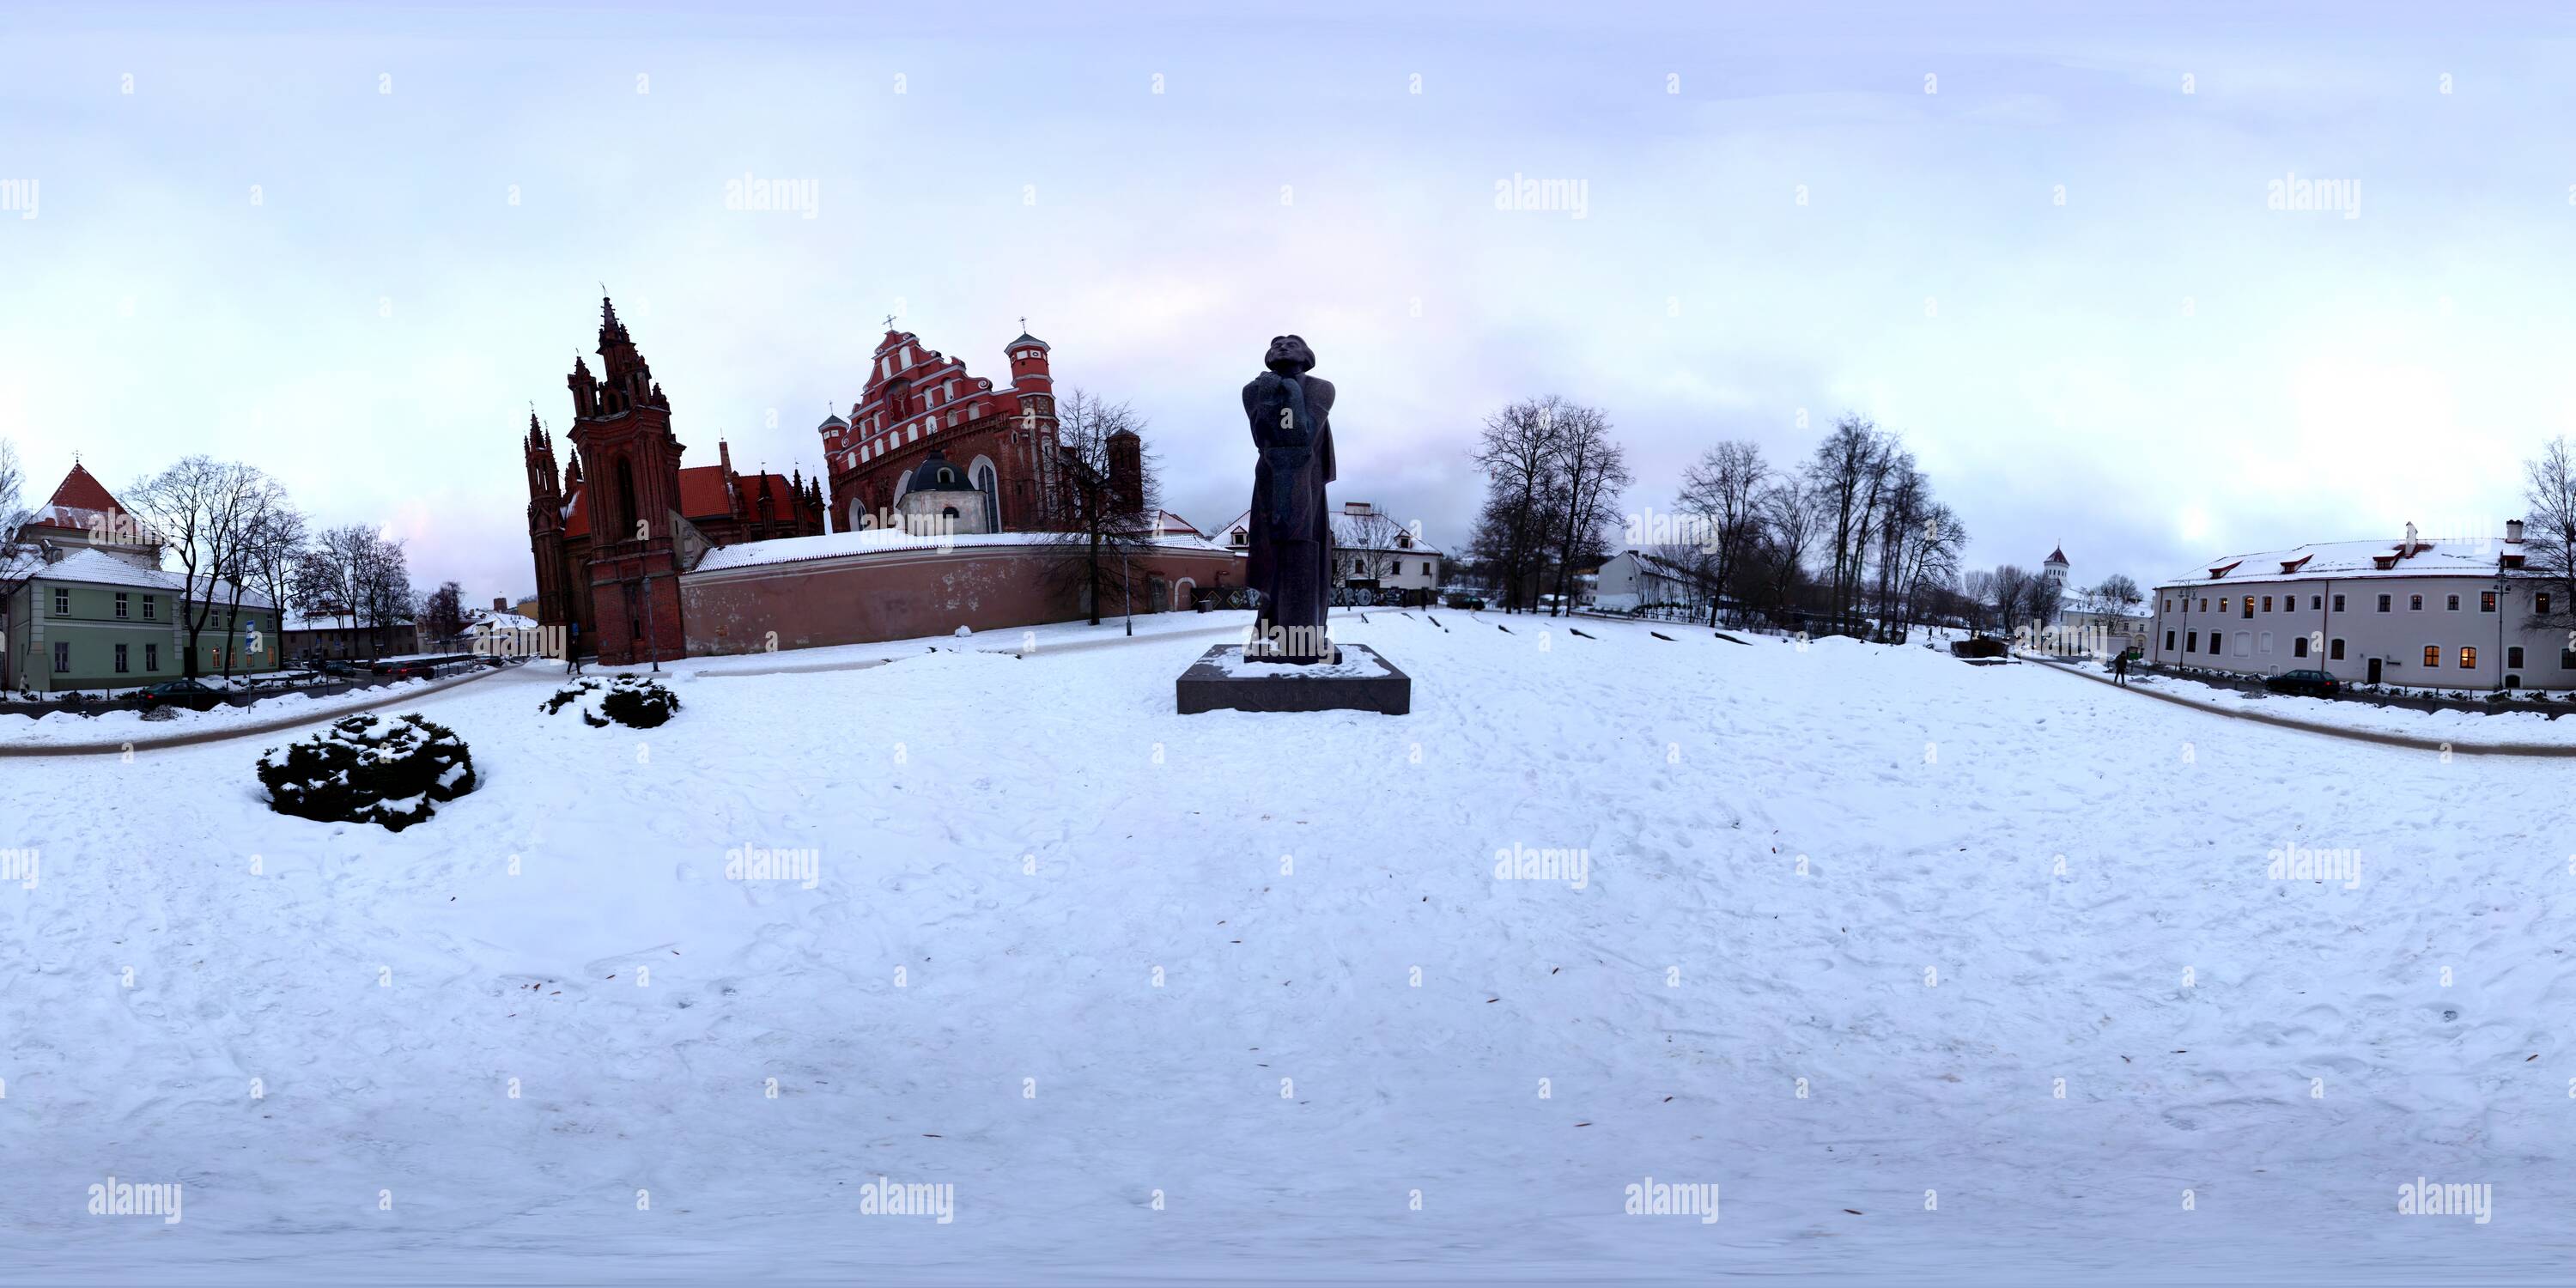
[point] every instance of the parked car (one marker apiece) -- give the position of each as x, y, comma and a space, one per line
332, 667
2314, 684
181, 693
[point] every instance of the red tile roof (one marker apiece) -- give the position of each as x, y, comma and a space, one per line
82, 492
702, 497
702, 493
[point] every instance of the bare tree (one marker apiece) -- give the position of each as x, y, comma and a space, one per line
1848, 474
1104, 522
198, 508
1930, 541
2117, 593
1593, 474
353, 571
2549, 539
1721, 491
276, 543
13, 513
13, 516
265, 513
1977, 588
1790, 521
2010, 587
443, 612
2042, 598
1519, 450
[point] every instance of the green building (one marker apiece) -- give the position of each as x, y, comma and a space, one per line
84, 604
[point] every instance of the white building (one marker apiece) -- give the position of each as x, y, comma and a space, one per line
2085, 627
1637, 579
1370, 549
502, 634
2447, 614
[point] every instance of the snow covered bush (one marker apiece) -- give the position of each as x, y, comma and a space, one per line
630, 700
364, 770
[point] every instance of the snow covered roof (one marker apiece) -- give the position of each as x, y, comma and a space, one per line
336, 622
101, 568
2318, 561
1659, 566
503, 622
832, 545
1373, 530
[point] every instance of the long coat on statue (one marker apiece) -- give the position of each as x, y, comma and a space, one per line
1291, 527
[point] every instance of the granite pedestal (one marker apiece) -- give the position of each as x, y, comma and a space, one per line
1222, 680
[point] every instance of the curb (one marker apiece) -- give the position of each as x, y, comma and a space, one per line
2543, 750
229, 732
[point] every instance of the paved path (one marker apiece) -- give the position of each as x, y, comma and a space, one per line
221, 733
2544, 749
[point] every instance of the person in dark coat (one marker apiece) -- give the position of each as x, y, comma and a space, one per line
1290, 569
2120, 668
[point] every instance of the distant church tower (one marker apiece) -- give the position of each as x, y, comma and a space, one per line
622, 427
2055, 568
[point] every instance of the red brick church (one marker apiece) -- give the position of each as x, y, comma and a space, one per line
916, 402
623, 535
609, 532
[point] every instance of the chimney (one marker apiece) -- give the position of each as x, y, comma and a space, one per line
1355, 507
724, 456
500, 605
2407, 551
2513, 532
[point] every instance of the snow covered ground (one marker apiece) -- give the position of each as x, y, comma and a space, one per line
2526, 721
61, 727
1170, 998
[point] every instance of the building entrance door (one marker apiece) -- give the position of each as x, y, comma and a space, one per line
2374, 670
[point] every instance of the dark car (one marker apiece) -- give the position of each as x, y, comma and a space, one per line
2314, 684
181, 693
333, 668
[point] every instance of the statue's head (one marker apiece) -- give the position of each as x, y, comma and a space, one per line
1289, 356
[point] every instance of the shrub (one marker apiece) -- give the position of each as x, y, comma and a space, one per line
630, 700
358, 772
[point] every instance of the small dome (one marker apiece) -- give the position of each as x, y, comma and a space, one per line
1025, 341
833, 422
937, 475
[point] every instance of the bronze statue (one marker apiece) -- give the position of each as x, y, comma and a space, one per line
1291, 529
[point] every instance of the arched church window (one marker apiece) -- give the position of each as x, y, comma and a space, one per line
625, 499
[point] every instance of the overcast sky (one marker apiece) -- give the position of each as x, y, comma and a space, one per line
353, 248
